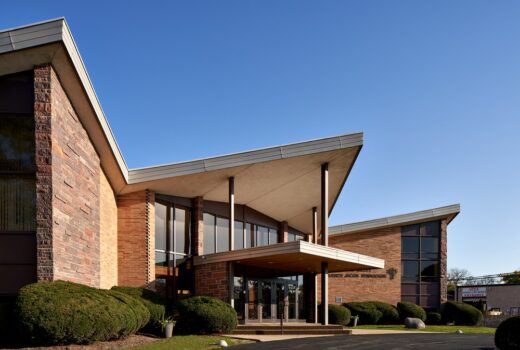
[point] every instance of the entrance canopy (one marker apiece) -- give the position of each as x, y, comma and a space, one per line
295, 257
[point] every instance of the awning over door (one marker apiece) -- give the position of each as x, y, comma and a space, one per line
297, 257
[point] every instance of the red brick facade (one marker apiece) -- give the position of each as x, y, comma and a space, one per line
134, 238
379, 284
213, 280
67, 176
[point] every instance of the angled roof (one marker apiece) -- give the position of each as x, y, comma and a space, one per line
447, 212
282, 181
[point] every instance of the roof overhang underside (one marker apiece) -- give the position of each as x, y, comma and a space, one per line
286, 188
295, 257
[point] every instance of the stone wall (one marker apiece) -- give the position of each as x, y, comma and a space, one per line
378, 284
68, 171
108, 234
135, 238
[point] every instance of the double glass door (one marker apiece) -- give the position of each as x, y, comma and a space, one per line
271, 299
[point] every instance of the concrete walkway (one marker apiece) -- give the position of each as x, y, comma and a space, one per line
273, 337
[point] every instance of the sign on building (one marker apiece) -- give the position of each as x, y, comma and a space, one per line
473, 292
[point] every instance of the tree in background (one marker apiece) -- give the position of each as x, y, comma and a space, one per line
512, 278
456, 276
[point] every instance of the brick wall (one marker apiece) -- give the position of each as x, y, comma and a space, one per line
67, 176
213, 280
108, 234
42, 115
444, 261
384, 284
135, 238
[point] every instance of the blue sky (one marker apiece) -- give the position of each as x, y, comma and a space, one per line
434, 86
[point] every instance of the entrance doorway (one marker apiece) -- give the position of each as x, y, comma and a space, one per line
268, 300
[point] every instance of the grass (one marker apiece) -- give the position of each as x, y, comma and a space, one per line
446, 329
190, 342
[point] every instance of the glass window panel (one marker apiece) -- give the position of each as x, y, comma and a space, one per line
209, 233
181, 232
410, 230
17, 145
17, 203
161, 264
429, 247
298, 237
430, 268
239, 235
262, 235
160, 226
430, 229
273, 236
410, 270
410, 244
291, 237
222, 235
250, 236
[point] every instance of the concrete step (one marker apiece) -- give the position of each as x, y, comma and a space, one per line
291, 329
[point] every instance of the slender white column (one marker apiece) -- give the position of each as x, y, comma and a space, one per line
231, 213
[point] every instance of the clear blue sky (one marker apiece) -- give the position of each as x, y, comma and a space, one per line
435, 86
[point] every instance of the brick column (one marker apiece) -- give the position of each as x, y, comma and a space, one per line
198, 226
444, 262
42, 116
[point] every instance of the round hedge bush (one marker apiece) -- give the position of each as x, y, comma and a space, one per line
339, 315
507, 335
155, 303
390, 315
367, 312
407, 309
68, 313
461, 313
204, 315
433, 318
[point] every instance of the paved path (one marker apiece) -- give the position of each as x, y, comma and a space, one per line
433, 341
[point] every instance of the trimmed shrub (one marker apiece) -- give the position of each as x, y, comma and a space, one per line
390, 315
507, 336
339, 314
204, 315
461, 313
63, 313
407, 309
155, 303
433, 318
367, 312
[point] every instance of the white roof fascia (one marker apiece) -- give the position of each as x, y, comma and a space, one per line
418, 216
245, 158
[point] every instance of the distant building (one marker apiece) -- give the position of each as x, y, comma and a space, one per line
498, 298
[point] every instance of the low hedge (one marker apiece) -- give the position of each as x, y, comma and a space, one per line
433, 318
65, 313
338, 314
367, 312
155, 303
461, 313
407, 309
390, 315
204, 315
507, 335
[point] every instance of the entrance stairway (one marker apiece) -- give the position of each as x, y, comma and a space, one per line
290, 329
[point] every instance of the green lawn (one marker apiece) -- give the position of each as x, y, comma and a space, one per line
189, 342
447, 329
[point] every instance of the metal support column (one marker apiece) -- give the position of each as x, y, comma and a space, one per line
325, 204
324, 293
231, 213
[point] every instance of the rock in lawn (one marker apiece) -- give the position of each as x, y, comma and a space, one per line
222, 343
415, 323
459, 331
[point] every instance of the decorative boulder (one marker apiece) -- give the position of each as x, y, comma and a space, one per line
415, 323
